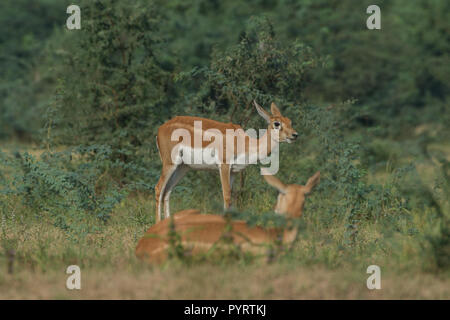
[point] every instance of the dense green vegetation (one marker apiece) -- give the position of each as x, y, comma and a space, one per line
79, 110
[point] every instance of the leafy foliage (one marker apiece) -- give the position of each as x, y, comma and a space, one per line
114, 88
259, 67
68, 190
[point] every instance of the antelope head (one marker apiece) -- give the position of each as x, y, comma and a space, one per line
278, 123
291, 198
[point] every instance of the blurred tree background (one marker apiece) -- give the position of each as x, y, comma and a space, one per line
399, 76
364, 101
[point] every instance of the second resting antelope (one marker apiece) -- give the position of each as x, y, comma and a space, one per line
231, 157
199, 232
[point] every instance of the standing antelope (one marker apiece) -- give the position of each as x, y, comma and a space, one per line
229, 157
200, 232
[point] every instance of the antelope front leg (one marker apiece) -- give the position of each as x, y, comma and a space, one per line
226, 185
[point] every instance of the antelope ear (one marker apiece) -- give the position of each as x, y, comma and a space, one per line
312, 182
263, 113
276, 183
275, 111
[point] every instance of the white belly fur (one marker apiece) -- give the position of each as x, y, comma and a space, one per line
187, 157
203, 166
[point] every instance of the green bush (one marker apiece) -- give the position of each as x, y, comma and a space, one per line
114, 88
65, 186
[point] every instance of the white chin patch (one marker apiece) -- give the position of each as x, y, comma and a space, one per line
288, 140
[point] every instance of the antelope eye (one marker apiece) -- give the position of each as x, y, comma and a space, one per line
277, 125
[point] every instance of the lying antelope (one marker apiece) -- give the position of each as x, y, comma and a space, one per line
199, 232
229, 157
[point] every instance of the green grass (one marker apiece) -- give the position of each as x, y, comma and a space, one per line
322, 263
110, 269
